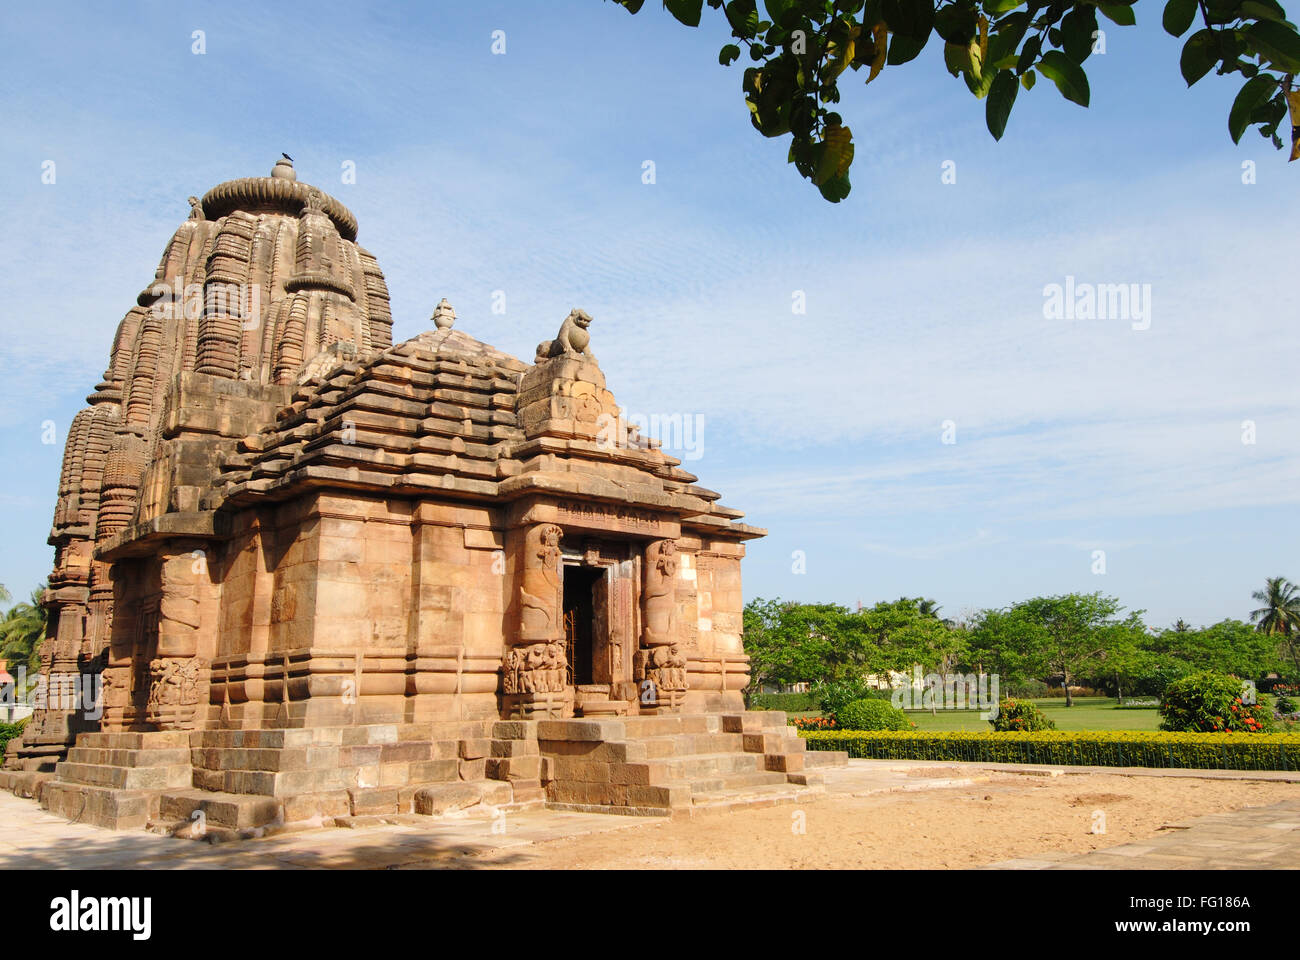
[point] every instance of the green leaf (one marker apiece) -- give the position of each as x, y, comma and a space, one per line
997, 7
913, 18
978, 81
1277, 43
957, 57
1199, 55
1178, 16
903, 48
632, 6
743, 17
1255, 92
1263, 10
1028, 79
777, 8
956, 24
728, 54
1002, 96
1067, 75
836, 188
835, 154
1029, 54
1077, 29
686, 11
1118, 13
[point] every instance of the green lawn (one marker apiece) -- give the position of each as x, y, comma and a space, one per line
1088, 713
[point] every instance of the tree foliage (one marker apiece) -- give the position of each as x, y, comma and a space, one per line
1279, 617
802, 49
797, 642
1063, 637
22, 628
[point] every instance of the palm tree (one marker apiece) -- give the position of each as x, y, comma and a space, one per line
22, 629
1280, 614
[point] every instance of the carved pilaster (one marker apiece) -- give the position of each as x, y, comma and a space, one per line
533, 672
178, 678
660, 663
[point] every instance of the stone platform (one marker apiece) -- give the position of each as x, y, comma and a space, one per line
246, 781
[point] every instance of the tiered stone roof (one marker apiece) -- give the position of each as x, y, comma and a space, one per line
444, 412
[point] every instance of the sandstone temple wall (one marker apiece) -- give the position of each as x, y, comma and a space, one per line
269, 516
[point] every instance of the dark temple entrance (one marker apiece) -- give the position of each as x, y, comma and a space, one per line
579, 620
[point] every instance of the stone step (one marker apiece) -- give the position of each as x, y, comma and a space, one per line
783, 740
25, 783
125, 778
442, 799
806, 778
232, 810
153, 757
712, 764
603, 708
101, 806
755, 721
156, 740
641, 727
756, 796
737, 782
687, 744
826, 758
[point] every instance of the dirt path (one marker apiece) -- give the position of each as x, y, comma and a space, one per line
1006, 817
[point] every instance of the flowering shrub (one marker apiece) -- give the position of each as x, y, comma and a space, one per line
1211, 703
872, 715
1020, 715
814, 723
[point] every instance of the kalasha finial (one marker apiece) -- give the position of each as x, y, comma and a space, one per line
283, 169
443, 315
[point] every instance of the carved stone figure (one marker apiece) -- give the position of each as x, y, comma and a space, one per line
660, 602
540, 596
573, 340
535, 668
666, 668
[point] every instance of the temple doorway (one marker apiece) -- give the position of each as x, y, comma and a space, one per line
580, 614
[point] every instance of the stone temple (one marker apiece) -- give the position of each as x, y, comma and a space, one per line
311, 574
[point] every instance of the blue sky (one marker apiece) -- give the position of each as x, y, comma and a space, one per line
522, 173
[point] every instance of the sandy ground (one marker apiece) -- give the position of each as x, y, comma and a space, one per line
1005, 817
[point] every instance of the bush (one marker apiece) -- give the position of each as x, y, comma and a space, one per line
1286, 705
789, 702
1214, 751
1020, 715
1209, 702
1027, 688
871, 714
10, 731
835, 695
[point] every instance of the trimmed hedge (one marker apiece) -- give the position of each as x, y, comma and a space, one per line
1218, 751
789, 702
